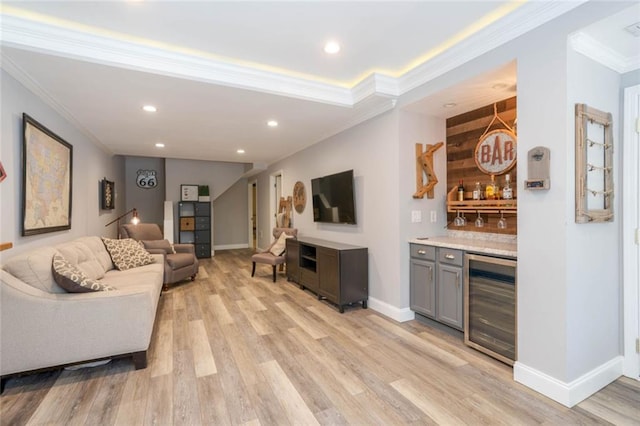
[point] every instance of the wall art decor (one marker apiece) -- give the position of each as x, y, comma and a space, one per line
3, 174
188, 192
107, 194
47, 162
299, 197
594, 165
146, 179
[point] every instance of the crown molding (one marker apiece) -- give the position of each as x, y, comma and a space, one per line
96, 48
603, 54
25, 79
70, 43
522, 20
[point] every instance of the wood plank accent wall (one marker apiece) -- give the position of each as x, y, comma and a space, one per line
463, 134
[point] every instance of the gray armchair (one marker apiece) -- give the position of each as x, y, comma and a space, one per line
270, 258
177, 266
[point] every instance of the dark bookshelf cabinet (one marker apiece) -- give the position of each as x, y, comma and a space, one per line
195, 226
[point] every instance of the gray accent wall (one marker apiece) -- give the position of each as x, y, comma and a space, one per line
91, 163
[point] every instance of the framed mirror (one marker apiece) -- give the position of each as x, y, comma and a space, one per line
594, 165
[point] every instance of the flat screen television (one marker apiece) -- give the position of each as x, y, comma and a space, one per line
333, 198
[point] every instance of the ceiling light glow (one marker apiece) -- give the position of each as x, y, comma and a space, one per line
159, 145
332, 47
240, 151
450, 105
149, 108
272, 123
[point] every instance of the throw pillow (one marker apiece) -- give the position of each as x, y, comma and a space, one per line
278, 248
72, 279
159, 244
127, 253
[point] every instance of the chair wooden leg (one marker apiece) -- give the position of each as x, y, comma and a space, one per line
253, 271
274, 273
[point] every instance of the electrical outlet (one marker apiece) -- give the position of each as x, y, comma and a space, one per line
416, 216
434, 218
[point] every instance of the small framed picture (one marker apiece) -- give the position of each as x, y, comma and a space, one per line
107, 197
188, 192
3, 174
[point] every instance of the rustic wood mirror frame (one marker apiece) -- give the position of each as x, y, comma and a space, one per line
594, 165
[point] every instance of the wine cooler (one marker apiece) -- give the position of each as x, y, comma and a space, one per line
490, 306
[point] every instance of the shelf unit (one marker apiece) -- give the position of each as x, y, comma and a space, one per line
195, 226
482, 206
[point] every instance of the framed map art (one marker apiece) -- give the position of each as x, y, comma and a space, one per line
46, 179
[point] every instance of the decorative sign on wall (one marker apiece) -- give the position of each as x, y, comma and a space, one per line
496, 152
107, 200
146, 179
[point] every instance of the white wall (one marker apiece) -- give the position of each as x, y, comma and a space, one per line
593, 250
90, 165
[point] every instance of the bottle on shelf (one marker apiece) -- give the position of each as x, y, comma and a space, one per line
507, 192
477, 192
490, 191
460, 191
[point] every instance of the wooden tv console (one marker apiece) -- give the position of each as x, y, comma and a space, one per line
334, 271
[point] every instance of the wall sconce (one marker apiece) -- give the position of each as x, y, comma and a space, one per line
134, 219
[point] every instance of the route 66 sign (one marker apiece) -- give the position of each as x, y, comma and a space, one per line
146, 179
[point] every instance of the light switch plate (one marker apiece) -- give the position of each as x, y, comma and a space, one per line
416, 216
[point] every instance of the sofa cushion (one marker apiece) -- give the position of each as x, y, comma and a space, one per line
73, 279
180, 260
34, 268
83, 258
159, 244
127, 253
278, 248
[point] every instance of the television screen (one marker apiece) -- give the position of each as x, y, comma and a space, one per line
333, 198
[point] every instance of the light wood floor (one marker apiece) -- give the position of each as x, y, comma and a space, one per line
231, 349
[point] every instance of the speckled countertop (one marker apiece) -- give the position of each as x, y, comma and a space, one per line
496, 244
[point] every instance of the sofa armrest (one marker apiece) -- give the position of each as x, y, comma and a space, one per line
184, 248
41, 329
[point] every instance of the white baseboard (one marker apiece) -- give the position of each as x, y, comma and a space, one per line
400, 315
231, 246
569, 394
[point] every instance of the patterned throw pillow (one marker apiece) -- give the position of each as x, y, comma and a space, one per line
72, 279
127, 253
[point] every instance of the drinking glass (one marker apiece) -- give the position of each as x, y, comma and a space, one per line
459, 220
479, 221
502, 223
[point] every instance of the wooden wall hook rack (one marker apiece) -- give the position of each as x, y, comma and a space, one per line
424, 166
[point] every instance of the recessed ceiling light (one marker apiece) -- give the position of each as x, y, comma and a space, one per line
272, 123
450, 105
331, 47
240, 151
149, 108
159, 145
499, 86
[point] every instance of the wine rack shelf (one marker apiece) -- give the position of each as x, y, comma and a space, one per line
482, 206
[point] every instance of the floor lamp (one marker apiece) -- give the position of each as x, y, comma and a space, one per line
134, 219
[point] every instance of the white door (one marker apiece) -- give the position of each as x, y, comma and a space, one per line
630, 233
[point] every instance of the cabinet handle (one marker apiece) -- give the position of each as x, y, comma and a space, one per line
430, 273
449, 256
457, 279
422, 252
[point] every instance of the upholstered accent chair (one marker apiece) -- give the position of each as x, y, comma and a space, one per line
274, 255
180, 261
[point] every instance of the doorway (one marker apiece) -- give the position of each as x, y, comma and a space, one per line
630, 225
276, 193
252, 194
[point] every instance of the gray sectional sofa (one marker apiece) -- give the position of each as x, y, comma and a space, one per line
43, 326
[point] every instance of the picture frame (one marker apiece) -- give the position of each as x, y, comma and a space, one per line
47, 171
188, 192
107, 194
3, 174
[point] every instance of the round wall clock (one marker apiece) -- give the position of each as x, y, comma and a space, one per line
299, 197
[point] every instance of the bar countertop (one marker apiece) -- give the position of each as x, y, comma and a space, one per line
494, 244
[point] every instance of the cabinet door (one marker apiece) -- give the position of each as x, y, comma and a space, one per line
292, 257
423, 289
329, 274
450, 301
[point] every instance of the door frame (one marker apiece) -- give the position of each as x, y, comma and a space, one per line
276, 180
630, 225
252, 204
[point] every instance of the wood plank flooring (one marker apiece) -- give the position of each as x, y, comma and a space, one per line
229, 349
